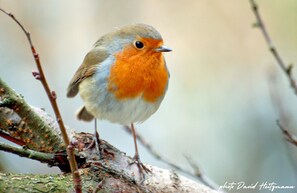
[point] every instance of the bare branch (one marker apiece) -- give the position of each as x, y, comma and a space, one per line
52, 98
286, 69
289, 137
200, 174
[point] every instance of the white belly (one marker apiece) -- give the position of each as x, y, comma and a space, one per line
104, 105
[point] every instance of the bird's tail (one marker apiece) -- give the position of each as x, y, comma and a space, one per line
83, 114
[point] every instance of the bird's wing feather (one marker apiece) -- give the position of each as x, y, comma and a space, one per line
89, 66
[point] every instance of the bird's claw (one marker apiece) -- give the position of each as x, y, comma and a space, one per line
141, 167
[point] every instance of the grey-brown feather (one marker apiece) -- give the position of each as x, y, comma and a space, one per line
83, 114
87, 69
129, 32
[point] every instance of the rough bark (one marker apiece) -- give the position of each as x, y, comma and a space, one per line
31, 126
22, 183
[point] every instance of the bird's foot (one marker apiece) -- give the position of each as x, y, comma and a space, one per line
141, 167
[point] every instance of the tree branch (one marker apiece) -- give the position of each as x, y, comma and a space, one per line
52, 98
23, 183
24, 123
286, 69
24, 152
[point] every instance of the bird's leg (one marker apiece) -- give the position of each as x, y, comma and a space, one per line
96, 139
104, 152
136, 158
97, 136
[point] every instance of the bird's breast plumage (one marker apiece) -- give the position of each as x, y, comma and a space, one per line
138, 74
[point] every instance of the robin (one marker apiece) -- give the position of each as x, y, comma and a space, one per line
123, 79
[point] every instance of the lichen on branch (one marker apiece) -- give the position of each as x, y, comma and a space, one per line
25, 122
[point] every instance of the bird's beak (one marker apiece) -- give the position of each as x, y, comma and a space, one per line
163, 49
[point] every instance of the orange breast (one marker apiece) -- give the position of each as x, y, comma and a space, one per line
138, 72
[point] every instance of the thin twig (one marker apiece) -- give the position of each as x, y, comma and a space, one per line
286, 69
276, 98
289, 137
52, 97
200, 176
23, 152
203, 178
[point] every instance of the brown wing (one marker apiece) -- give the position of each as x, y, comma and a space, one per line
83, 114
87, 69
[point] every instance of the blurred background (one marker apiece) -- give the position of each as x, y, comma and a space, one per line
225, 87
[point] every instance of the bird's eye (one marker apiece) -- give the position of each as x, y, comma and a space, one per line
138, 44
